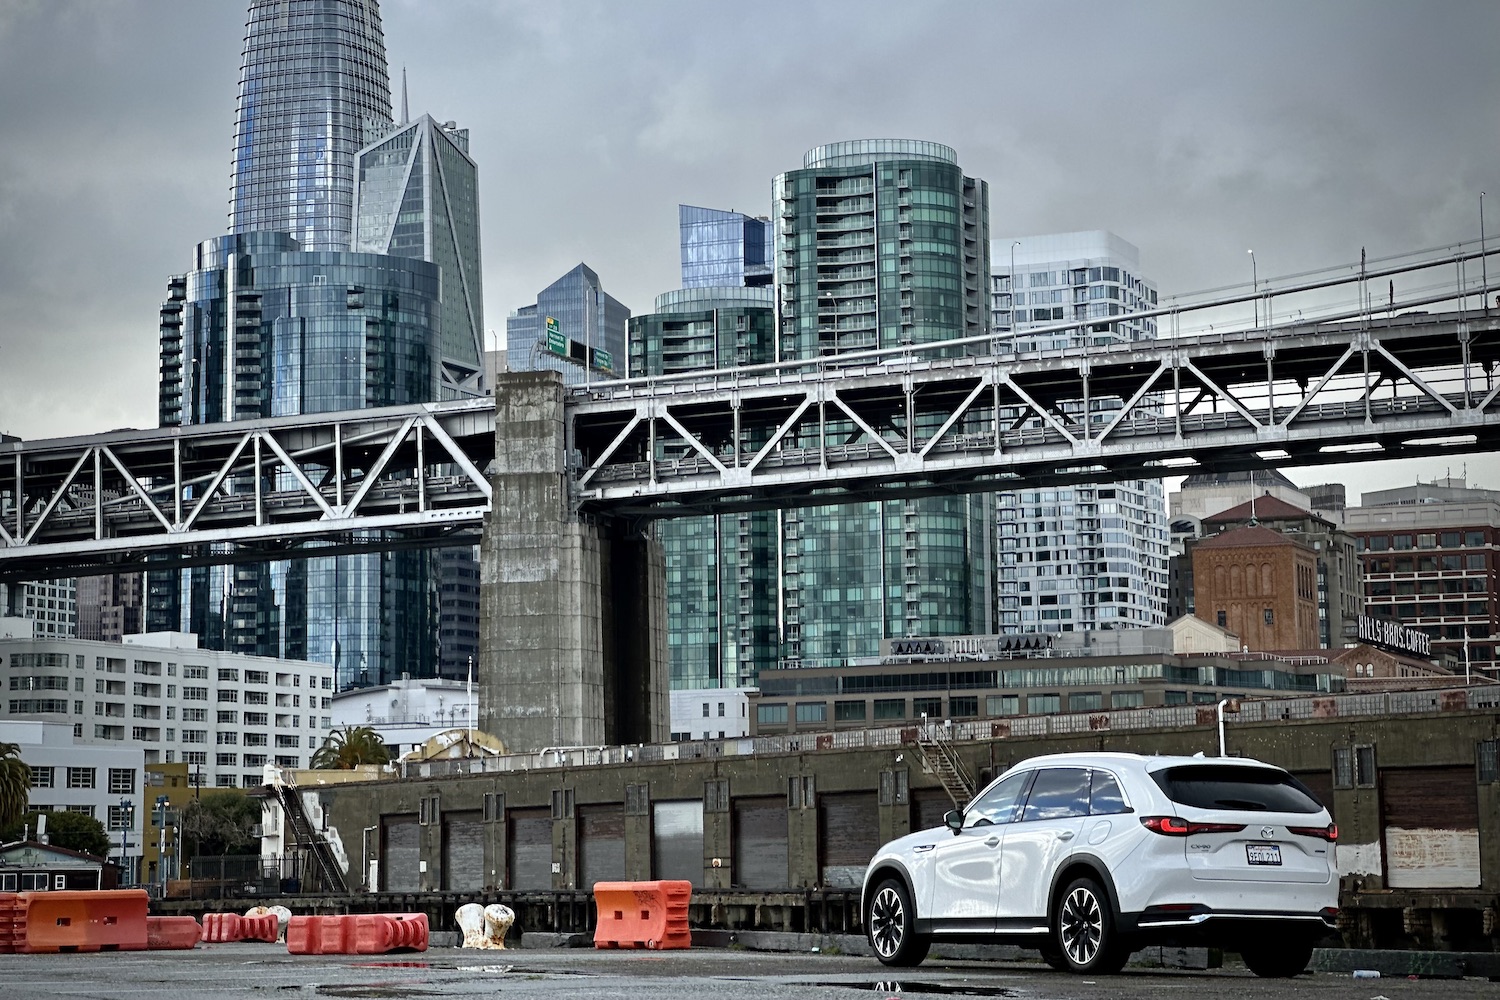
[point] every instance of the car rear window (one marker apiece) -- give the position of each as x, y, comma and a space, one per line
1215, 786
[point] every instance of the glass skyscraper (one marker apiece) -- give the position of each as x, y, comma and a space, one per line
313, 90
721, 570
880, 243
723, 249
588, 319
418, 196
281, 318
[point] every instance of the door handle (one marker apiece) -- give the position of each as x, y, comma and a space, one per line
992, 842
1065, 835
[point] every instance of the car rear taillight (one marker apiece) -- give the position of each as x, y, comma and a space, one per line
1329, 833
1174, 826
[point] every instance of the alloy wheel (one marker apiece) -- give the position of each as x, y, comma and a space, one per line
887, 922
1081, 926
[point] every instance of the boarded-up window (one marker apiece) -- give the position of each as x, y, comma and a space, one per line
760, 859
463, 851
928, 807
529, 848
848, 836
677, 841
1431, 827
601, 844
400, 854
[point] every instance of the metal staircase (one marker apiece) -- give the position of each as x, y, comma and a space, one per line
331, 876
939, 758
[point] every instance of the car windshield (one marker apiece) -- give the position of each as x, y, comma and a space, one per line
1218, 786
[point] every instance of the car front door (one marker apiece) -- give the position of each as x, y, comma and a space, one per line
1038, 841
966, 864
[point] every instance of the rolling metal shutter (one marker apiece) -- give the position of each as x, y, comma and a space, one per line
463, 852
1430, 826
760, 860
529, 848
398, 860
848, 837
601, 844
928, 807
677, 841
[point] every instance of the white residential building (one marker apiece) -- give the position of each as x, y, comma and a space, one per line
1077, 558
224, 714
70, 775
710, 714
409, 712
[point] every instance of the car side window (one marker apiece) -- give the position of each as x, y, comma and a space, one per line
998, 805
1105, 797
1058, 793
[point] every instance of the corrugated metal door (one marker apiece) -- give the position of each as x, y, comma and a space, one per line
463, 852
601, 844
529, 848
400, 854
1431, 827
760, 860
677, 841
928, 807
848, 836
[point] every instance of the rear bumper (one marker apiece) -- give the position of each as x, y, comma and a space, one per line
1203, 924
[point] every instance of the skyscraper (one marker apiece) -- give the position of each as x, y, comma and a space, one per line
1076, 558
587, 319
313, 87
280, 317
724, 249
879, 243
418, 196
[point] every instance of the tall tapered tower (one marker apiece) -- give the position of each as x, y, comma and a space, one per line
313, 87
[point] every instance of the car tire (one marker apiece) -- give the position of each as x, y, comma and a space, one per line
891, 926
1053, 957
1083, 930
1278, 959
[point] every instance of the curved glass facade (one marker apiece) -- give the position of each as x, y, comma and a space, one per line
313, 85
879, 243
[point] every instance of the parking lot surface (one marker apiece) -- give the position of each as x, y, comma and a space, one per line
225, 972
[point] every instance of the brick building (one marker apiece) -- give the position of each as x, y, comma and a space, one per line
1260, 585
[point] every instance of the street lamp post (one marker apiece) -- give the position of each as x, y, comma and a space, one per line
1254, 288
126, 808
1484, 270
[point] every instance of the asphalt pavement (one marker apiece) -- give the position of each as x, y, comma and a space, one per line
263, 971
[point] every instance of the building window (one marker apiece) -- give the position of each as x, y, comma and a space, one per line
1364, 766
930, 707
121, 781
771, 715
890, 708
41, 777
1086, 702
1002, 704
119, 818
1488, 760
1043, 704
80, 777
705, 709
1270, 617
812, 711
1127, 699
964, 706
849, 711
1223, 617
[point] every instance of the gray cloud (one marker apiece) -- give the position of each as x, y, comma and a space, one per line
1194, 130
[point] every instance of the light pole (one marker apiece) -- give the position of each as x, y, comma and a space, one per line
1484, 270
126, 807
1254, 288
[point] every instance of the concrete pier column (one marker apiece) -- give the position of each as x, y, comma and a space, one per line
572, 610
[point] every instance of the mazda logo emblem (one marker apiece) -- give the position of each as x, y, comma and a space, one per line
1267, 832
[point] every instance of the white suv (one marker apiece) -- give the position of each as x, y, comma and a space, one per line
1088, 856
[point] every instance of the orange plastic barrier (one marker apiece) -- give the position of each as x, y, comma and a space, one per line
643, 914
357, 934
72, 920
172, 933
226, 927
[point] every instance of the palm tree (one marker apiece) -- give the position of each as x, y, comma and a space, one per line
347, 748
15, 784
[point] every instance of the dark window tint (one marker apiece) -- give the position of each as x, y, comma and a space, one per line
998, 805
1105, 796
1212, 786
1057, 793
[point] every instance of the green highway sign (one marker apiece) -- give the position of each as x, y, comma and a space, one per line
603, 360
555, 342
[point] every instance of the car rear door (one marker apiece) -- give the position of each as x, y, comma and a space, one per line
1250, 824
1043, 835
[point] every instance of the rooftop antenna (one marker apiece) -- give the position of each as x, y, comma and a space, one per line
405, 108
1253, 521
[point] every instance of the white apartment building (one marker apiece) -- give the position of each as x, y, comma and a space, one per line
409, 712
69, 775
224, 714
1077, 558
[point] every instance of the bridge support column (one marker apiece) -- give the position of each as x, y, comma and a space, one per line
572, 611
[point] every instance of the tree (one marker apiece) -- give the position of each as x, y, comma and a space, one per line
221, 823
75, 831
15, 784
347, 748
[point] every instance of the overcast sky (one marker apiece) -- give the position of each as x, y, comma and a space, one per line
1195, 130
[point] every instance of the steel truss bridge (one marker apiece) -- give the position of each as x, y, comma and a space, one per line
1340, 378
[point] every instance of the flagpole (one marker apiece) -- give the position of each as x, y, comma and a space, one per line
469, 697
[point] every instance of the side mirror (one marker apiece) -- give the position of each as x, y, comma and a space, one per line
954, 819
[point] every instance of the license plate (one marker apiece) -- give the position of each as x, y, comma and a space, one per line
1263, 854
